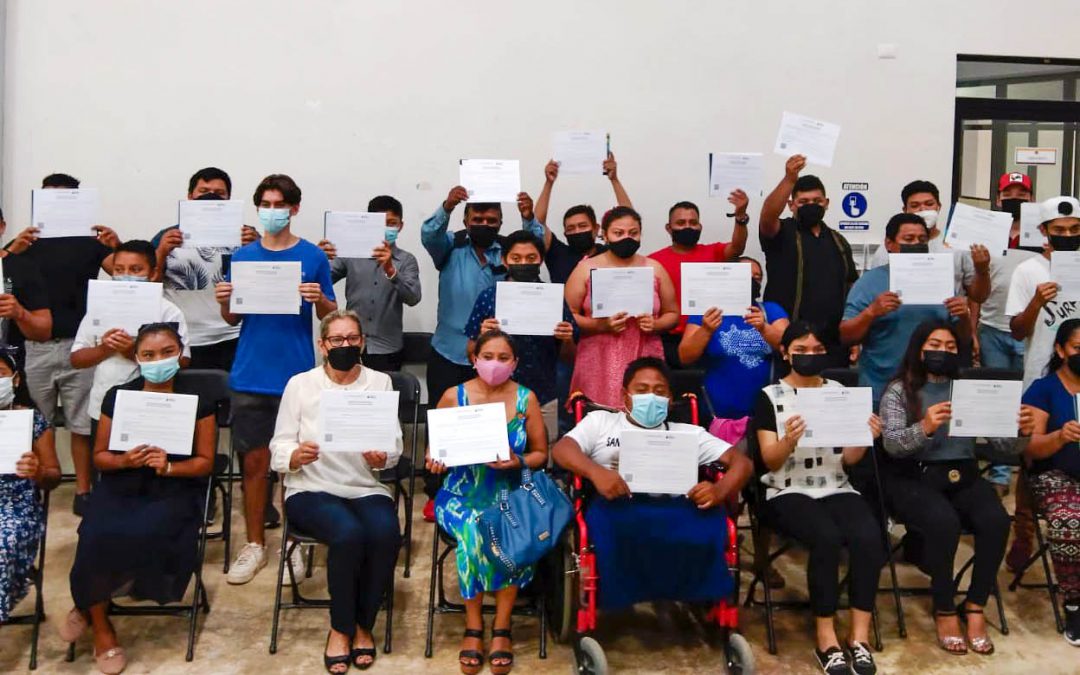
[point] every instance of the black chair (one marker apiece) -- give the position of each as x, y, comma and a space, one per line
37, 577
408, 387
417, 348
1042, 553
690, 382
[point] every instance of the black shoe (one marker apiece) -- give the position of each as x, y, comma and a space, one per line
211, 513
862, 661
271, 518
1072, 624
78, 505
833, 661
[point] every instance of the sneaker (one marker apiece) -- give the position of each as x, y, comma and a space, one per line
1072, 624
429, 511
833, 661
271, 517
211, 513
862, 661
251, 559
299, 566
78, 504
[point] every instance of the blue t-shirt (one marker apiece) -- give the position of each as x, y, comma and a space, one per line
1049, 395
737, 362
274, 347
887, 340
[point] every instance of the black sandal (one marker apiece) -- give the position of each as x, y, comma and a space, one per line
472, 655
504, 668
357, 652
330, 661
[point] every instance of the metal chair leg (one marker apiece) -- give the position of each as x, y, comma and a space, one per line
388, 641
431, 593
277, 586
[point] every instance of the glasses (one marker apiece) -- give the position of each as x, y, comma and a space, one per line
341, 340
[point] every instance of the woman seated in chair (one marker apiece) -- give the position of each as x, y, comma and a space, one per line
22, 519
809, 498
684, 535
935, 488
140, 534
336, 497
469, 490
1055, 466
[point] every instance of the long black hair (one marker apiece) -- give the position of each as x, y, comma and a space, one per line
1064, 332
912, 372
13, 357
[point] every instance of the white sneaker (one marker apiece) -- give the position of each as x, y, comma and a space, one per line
299, 566
251, 559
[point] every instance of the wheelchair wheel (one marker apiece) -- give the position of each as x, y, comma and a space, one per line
591, 659
561, 607
738, 655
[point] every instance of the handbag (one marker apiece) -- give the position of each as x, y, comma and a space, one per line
525, 523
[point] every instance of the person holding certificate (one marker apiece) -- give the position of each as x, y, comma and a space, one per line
610, 343
470, 489
808, 497
934, 487
140, 534
336, 496
22, 519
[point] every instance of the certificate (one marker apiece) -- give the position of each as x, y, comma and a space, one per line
471, 434
163, 420
491, 180
16, 437
836, 417
730, 171
621, 289
658, 462
580, 152
922, 278
1065, 272
356, 421
969, 225
527, 308
122, 304
1030, 219
65, 213
265, 288
725, 286
355, 234
986, 408
800, 135
207, 223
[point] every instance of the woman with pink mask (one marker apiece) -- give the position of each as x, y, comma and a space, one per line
469, 490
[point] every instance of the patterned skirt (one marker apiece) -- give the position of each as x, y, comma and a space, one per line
21, 525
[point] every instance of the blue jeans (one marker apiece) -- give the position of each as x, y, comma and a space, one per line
1000, 350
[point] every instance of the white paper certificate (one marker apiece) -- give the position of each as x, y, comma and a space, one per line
355, 234
357, 421
1065, 272
166, 421
730, 171
580, 152
658, 462
265, 288
122, 304
800, 135
491, 180
969, 225
1030, 217
836, 417
621, 289
16, 437
922, 278
725, 286
211, 223
527, 308
65, 213
986, 408
472, 434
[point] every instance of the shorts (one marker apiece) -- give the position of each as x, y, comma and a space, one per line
218, 356
253, 420
52, 380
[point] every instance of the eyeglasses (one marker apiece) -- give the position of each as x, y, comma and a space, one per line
340, 340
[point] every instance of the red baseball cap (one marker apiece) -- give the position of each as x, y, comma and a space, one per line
1014, 178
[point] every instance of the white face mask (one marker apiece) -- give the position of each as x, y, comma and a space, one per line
930, 216
7, 391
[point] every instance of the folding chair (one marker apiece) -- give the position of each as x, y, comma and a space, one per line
1042, 553
408, 387
37, 577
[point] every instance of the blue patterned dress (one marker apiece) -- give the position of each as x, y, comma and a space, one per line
21, 524
469, 490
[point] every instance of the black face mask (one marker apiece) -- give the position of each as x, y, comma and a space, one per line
1012, 207
809, 365
809, 215
483, 235
343, 358
1064, 243
941, 363
755, 290
914, 248
1073, 362
209, 196
525, 272
625, 248
581, 242
687, 236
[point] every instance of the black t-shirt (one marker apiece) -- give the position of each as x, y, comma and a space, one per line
206, 405
561, 260
28, 287
67, 264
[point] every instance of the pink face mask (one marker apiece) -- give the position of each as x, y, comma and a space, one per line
494, 372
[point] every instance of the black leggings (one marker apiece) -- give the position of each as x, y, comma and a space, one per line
938, 517
825, 526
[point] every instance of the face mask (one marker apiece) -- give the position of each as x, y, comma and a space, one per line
1012, 207
7, 391
157, 372
524, 272
482, 235
809, 215
648, 410
809, 365
624, 248
390, 236
128, 277
914, 248
941, 363
581, 242
687, 236
1060, 242
274, 220
930, 216
343, 358
1073, 362
755, 289
494, 372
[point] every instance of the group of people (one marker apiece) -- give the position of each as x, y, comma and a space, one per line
810, 311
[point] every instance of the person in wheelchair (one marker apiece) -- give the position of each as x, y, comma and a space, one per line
810, 499
652, 548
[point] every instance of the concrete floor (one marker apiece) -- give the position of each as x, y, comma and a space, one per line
234, 637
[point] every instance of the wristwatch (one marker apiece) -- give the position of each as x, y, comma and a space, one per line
744, 219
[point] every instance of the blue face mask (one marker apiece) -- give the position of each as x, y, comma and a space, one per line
160, 371
128, 277
649, 410
391, 234
273, 220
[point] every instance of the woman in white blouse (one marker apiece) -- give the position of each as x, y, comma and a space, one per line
336, 497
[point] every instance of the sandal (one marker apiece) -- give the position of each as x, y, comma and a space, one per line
73, 626
112, 661
472, 660
330, 661
982, 644
507, 656
358, 652
953, 644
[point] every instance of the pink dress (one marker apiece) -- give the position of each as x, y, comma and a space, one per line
602, 357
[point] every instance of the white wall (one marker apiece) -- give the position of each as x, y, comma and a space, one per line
358, 98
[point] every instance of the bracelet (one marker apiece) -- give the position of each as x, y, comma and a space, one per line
744, 221
168, 468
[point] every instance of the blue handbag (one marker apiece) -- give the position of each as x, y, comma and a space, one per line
524, 524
